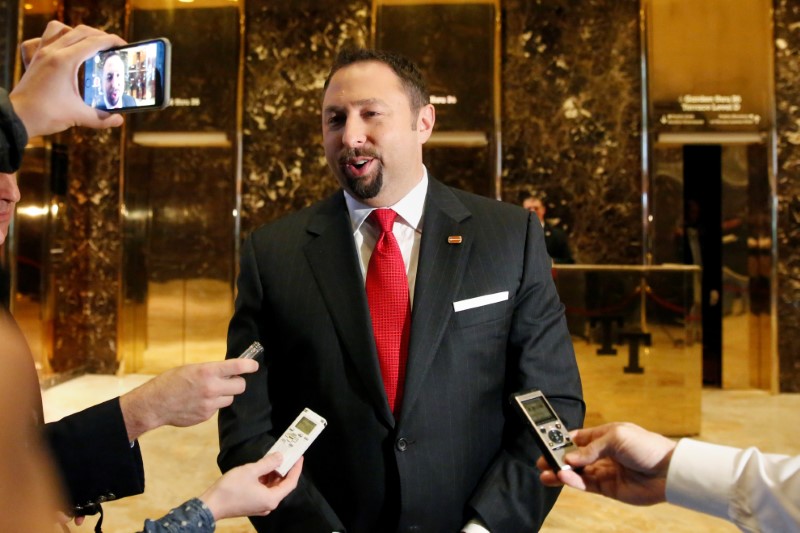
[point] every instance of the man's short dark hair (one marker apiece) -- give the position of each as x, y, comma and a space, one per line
410, 76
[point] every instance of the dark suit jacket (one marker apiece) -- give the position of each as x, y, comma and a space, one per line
90, 448
94, 457
13, 136
456, 451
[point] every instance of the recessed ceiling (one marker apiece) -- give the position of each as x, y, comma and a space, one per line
51, 6
180, 4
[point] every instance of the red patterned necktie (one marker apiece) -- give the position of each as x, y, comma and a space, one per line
389, 306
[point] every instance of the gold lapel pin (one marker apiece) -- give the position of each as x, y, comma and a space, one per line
454, 239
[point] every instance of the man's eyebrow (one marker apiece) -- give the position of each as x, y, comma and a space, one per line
358, 103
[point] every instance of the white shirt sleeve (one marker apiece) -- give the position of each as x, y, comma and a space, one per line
755, 491
474, 526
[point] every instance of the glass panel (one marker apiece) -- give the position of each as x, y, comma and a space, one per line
636, 332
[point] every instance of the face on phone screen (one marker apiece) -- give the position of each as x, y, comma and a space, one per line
130, 78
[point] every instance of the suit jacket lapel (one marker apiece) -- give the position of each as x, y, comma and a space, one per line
334, 262
439, 273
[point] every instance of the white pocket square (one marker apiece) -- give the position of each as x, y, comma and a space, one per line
480, 301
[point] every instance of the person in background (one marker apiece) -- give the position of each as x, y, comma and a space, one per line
755, 491
555, 239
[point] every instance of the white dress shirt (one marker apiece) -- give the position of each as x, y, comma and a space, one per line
407, 229
755, 491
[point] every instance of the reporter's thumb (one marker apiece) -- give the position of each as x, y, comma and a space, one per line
270, 462
580, 457
100, 119
235, 367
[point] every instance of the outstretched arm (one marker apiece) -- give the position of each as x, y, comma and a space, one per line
184, 396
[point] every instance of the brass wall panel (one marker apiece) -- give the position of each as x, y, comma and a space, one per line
715, 49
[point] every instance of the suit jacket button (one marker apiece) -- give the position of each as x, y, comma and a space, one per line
401, 445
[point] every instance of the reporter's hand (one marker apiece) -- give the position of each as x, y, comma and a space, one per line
252, 489
47, 99
619, 460
184, 396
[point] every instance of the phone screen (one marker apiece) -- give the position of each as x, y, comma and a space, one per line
130, 78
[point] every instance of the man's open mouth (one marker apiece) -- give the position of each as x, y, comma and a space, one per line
359, 166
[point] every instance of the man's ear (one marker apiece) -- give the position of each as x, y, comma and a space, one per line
425, 121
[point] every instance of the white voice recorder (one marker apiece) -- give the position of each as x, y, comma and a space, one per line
297, 438
550, 433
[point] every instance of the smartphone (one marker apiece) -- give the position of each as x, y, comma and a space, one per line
130, 78
297, 438
550, 433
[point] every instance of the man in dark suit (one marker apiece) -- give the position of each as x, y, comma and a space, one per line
555, 239
437, 448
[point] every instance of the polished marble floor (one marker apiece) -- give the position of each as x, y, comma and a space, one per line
180, 463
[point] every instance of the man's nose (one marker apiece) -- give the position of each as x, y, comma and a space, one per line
8, 188
354, 134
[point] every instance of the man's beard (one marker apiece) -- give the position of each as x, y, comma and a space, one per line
362, 187
365, 188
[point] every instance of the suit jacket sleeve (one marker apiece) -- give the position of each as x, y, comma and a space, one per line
13, 136
540, 356
96, 461
246, 428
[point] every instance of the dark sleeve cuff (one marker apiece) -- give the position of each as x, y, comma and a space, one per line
13, 136
96, 461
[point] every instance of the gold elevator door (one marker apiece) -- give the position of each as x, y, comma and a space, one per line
180, 195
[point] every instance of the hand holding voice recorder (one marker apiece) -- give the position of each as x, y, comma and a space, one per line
550, 433
297, 438
134, 77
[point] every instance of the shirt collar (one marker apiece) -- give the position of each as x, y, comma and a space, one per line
409, 208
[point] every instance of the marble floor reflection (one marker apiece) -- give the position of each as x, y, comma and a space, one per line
180, 463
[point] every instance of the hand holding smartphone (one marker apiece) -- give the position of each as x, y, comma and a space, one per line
130, 78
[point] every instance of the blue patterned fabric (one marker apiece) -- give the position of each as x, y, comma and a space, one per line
190, 517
